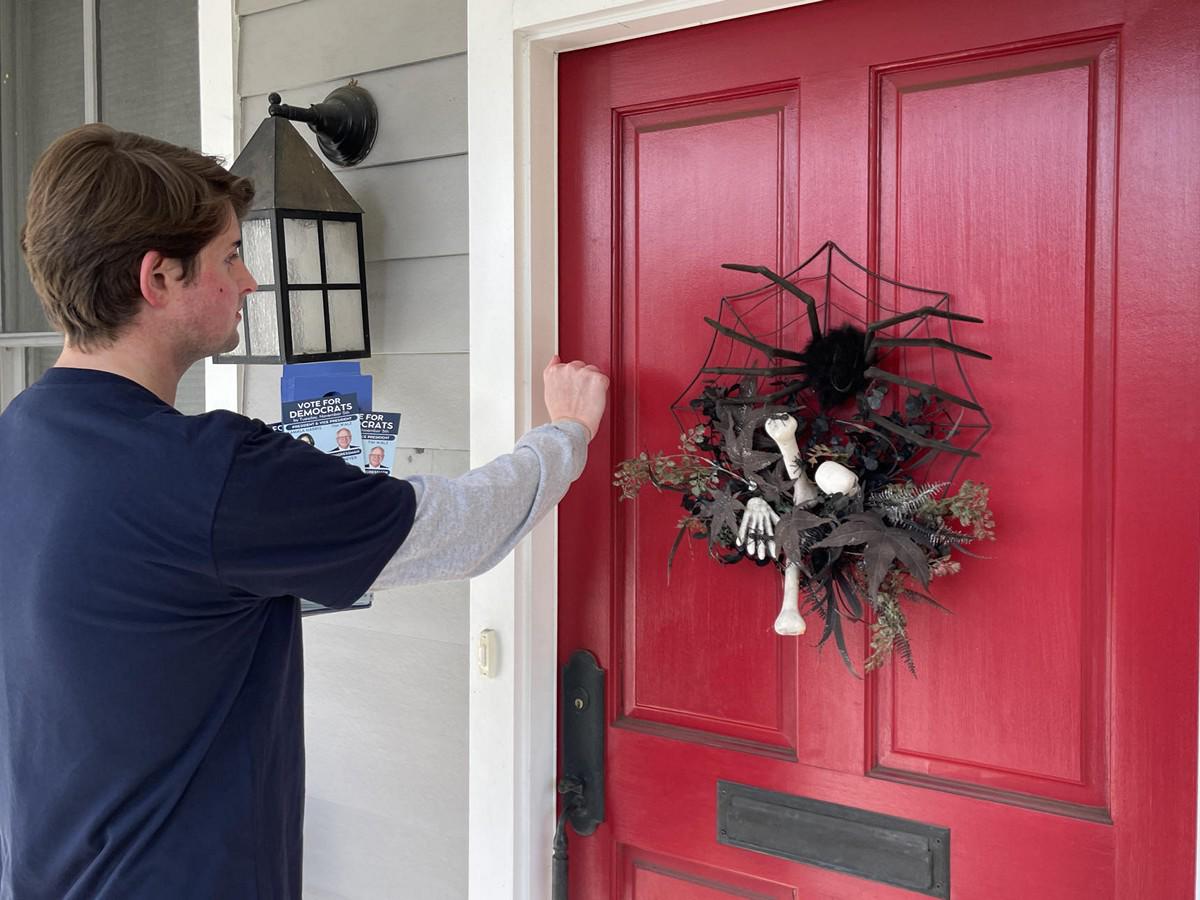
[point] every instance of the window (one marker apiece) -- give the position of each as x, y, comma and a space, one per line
131, 63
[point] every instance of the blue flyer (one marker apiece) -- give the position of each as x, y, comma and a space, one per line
331, 424
379, 432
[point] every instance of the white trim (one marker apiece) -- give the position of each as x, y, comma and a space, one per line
22, 339
511, 128
12, 373
217, 31
91, 62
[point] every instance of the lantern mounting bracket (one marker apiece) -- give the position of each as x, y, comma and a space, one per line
345, 122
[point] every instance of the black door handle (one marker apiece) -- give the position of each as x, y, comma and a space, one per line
582, 784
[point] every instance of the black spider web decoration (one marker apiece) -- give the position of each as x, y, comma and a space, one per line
915, 395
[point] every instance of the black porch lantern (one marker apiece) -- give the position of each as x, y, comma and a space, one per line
302, 237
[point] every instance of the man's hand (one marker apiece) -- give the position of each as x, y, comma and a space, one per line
576, 391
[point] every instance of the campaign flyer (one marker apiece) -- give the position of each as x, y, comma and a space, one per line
379, 432
331, 424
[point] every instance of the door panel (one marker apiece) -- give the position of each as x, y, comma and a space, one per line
1052, 725
738, 186
1020, 145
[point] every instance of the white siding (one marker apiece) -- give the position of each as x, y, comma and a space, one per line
386, 688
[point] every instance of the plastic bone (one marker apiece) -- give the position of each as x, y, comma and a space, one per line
834, 478
789, 621
782, 430
756, 536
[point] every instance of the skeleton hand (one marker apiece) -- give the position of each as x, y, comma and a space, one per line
757, 531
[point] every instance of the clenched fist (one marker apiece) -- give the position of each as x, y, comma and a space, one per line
576, 391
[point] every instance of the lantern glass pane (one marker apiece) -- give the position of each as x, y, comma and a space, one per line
346, 321
263, 325
303, 251
256, 250
308, 322
341, 253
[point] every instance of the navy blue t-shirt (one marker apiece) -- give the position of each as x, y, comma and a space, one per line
151, 722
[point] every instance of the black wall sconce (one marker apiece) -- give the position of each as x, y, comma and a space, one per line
302, 237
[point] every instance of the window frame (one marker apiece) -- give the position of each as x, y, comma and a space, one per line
15, 346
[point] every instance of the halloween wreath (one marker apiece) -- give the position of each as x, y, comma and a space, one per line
823, 436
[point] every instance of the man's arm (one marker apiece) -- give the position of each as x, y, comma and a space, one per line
464, 526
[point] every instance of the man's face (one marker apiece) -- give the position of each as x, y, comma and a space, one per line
376, 457
343, 438
210, 306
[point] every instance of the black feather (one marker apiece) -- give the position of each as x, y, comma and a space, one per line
834, 364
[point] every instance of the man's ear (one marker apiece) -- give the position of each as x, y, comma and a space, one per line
158, 276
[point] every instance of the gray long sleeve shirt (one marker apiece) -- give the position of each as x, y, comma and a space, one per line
464, 526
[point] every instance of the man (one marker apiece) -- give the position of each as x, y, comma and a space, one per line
151, 739
375, 461
343, 439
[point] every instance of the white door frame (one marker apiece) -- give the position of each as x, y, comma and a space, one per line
511, 137
220, 115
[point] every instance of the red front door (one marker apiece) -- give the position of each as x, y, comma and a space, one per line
1038, 160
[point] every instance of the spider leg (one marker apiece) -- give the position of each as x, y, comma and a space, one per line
751, 370
813, 322
921, 386
793, 388
917, 439
923, 311
917, 314
931, 342
751, 342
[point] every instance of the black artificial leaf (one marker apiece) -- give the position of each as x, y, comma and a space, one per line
674, 548
878, 558
894, 545
849, 594
833, 627
768, 486
840, 639
722, 512
860, 528
911, 556
827, 605
756, 460
795, 532
920, 597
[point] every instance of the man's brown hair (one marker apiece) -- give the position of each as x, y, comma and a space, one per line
99, 199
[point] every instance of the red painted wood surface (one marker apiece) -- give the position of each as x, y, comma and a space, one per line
1038, 161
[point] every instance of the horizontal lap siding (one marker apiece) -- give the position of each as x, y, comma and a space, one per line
386, 692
